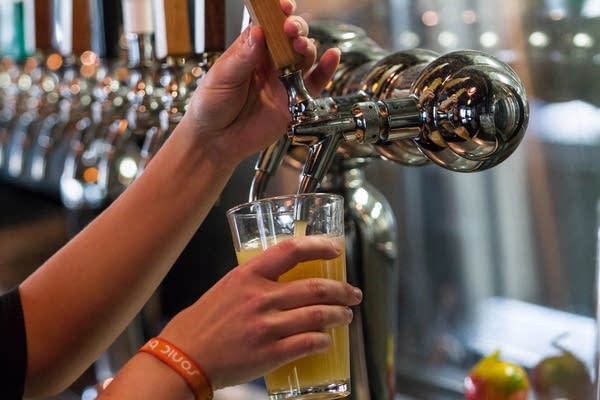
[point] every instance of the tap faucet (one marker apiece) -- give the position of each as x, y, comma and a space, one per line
465, 111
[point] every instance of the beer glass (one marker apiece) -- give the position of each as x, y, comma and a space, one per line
257, 225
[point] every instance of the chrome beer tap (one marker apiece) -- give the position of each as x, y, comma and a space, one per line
79, 184
189, 38
465, 111
119, 159
77, 67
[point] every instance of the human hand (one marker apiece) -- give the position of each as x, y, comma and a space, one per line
248, 323
240, 106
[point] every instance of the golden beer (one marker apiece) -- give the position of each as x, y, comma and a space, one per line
311, 376
260, 224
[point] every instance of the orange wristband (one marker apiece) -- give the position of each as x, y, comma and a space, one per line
181, 363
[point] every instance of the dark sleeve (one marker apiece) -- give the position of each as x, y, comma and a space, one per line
13, 346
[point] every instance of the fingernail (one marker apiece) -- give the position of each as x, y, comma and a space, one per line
358, 294
337, 246
298, 27
247, 36
250, 39
350, 314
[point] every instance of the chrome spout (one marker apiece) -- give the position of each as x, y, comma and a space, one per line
266, 164
465, 111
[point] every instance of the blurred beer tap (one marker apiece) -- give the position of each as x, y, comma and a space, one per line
119, 159
76, 67
172, 49
80, 187
17, 73
50, 88
189, 37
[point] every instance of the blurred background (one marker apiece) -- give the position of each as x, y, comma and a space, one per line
505, 259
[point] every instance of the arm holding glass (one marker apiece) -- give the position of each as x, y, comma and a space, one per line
99, 280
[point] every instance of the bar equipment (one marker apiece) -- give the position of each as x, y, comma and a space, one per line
465, 111
80, 185
17, 74
72, 41
189, 39
56, 92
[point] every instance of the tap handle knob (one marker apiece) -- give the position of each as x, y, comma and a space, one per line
270, 17
474, 111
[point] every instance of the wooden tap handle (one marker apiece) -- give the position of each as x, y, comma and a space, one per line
42, 25
269, 15
81, 27
177, 23
214, 26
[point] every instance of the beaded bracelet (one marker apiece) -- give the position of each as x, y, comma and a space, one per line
181, 363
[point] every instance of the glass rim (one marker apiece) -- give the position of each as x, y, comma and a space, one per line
247, 204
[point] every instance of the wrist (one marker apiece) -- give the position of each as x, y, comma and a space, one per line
183, 365
161, 380
206, 146
145, 377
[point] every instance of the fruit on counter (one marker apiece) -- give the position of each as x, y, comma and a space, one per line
494, 379
561, 376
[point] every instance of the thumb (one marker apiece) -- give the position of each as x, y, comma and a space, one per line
236, 66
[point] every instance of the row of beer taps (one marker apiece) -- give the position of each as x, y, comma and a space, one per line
80, 118
82, 115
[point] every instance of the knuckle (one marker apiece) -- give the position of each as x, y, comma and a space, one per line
318, 317
315, 342
317, 288
260, 301
260, 329
290, 247
236, 275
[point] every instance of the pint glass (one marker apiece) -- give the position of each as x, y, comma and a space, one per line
263, 223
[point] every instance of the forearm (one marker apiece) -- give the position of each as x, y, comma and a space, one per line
128, 249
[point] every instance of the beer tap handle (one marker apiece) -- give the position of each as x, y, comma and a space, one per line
42, 26
105, 25
270, 17
172, 28
71, 28
209, 26
17, 39
82, 34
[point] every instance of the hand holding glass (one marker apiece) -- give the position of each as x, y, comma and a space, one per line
263, 223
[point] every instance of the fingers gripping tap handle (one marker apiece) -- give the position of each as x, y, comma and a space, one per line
269, 16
